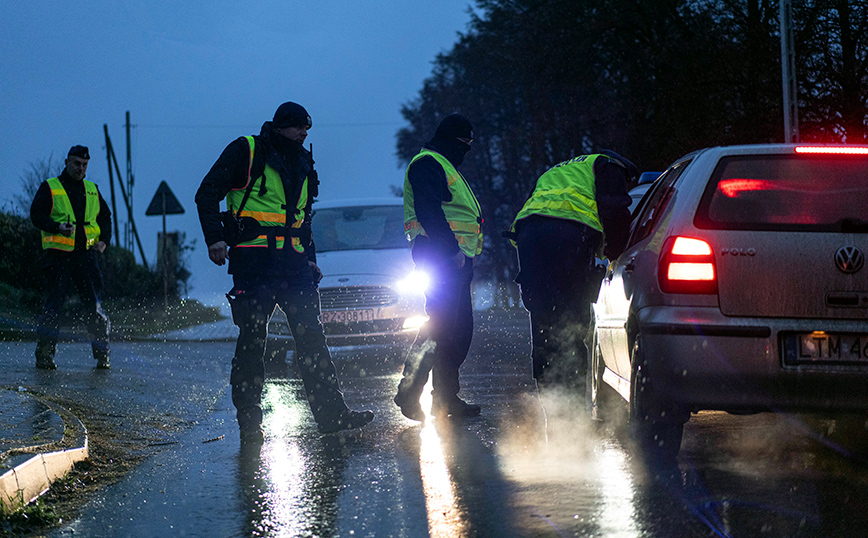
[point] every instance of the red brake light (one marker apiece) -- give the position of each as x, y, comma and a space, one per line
687, 266
832, 150
685, 246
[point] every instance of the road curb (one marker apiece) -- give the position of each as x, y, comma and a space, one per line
27, 481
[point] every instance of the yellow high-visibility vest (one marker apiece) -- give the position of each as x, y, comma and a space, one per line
268, 210
566, 191
61, 211
462, 213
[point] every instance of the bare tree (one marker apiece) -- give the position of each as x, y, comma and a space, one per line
32, 177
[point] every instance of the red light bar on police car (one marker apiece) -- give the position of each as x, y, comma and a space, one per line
832, 151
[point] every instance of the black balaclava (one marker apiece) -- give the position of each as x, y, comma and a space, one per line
451, 128
632, 169
285, 157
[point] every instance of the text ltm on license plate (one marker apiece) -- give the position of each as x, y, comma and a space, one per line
836, 347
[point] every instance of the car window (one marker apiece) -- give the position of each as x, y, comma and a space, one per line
636, 195
786, 192
654, 203
359, 227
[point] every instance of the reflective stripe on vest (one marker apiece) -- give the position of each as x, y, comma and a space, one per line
61, 211
462, 213
566, 191
269, 209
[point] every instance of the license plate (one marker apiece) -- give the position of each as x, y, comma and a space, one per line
825, 347
347, 316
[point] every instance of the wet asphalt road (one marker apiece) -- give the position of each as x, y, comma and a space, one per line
495, 475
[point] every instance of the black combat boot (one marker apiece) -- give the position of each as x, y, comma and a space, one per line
45, 355
453, 406
408, 400
346, 420
101, 354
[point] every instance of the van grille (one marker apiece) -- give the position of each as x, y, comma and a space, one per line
357, 297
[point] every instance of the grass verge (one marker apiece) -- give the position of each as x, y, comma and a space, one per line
128, 321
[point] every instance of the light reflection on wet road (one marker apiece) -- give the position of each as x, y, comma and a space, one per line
495, 475
444, 514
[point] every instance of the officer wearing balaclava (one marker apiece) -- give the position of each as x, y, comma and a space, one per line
442, 220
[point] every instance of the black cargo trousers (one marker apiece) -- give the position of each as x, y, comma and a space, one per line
252, 299
558, 282
442, 344
80, 270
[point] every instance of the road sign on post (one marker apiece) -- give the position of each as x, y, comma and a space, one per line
164, 203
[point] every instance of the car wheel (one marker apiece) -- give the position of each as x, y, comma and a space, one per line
656, 424
602, 400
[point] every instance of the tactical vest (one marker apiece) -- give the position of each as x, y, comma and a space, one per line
61, 211
566, 191
269, 208
462, 213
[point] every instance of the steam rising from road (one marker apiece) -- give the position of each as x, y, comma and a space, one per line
553, 439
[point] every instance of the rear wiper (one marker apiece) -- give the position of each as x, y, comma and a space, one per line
853, 225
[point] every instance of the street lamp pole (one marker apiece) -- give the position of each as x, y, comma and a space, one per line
788, 72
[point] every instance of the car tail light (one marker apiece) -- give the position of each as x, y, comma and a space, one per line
687, 266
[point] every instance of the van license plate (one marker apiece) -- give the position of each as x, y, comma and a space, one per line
347, 316
825, 347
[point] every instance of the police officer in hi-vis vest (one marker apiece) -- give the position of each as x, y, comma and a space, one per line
577, 211
269, 184
443, 221
75, 223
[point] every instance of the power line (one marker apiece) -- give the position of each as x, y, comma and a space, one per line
247, 126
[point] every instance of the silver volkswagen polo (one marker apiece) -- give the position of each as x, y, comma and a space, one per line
743, 289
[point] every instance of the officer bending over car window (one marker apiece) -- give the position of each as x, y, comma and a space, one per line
578, 211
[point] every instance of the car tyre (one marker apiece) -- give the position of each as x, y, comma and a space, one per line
657, 425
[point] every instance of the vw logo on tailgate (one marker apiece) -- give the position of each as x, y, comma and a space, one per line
849, 259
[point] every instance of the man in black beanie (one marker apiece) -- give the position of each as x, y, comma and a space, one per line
269, 184
75, 224
443, 221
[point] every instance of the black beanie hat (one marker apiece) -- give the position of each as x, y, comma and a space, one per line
291, 114
454, 126
78, 151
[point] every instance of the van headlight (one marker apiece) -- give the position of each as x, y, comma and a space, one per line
415, 282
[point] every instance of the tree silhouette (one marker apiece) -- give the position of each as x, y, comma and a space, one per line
545, 80
36, 173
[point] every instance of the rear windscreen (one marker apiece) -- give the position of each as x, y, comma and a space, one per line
787, 192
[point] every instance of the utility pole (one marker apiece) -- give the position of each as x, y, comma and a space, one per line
128, 243
112, 158
108, 155
788, 72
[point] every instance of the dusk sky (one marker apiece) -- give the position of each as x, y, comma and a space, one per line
196, 75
